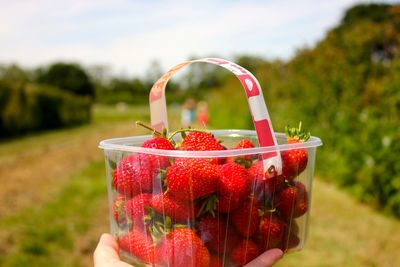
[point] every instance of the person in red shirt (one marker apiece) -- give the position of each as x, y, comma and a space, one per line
202, 113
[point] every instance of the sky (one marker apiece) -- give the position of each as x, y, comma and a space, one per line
127, 35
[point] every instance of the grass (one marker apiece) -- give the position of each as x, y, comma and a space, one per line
54, 204
44, 161
58, 233
345, 232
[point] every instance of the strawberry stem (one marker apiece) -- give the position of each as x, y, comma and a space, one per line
154, 131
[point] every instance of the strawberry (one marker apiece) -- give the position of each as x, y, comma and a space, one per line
227, 204
292, 202
166, 205
158, 143
245, 160
246, 219
271, 231
265, 188
217, 234
294, 161
202, 141
183, 248
215, 261
134, 175
244, 252
137, 208
244, 143
190, 179
233, 186
118, 209
293, 228
291, 236
139, 245
289, 241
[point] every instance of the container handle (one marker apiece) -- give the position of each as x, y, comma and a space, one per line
261, 119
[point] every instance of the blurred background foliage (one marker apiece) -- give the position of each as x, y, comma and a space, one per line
346, 89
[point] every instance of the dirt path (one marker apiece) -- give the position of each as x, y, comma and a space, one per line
33, 168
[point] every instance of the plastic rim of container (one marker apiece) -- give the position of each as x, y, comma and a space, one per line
119, 144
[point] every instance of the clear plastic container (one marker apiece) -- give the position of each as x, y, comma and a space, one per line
206, 208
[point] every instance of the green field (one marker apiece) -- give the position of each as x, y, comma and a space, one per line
54, 204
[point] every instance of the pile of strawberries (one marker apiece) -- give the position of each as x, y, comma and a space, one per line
207, 212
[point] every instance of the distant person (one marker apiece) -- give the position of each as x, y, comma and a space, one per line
202, 113
188, 114
106, 255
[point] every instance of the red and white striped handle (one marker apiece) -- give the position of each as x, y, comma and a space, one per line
258, 108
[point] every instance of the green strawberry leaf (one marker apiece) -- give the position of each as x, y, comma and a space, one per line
208, 205
112, 164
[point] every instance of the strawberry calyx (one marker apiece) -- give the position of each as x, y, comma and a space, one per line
159, 226
296, 134
208, 206
242, 160
159, 229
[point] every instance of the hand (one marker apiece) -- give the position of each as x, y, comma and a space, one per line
267, 259
106, 255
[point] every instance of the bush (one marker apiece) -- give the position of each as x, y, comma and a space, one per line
69, 77
30, 107
346, 90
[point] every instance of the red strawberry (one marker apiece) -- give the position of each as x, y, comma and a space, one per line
202, 141
291, 236
183, 248
292, 202
156, 161
271, 231
136, 208
118, 209
293, 228
217, 234
139, 245
158, 143
246, 219
294, 161
245, 160
233, 186
227, 204
244, 143
264, 187
215, 261
177, 210
290, 241
134, 175
244, 252
190, 179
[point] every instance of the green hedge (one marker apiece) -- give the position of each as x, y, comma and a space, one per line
30, 107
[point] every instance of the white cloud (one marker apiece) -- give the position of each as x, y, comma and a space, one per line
129, 34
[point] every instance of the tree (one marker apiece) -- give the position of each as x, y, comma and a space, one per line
69, 77
13, 73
